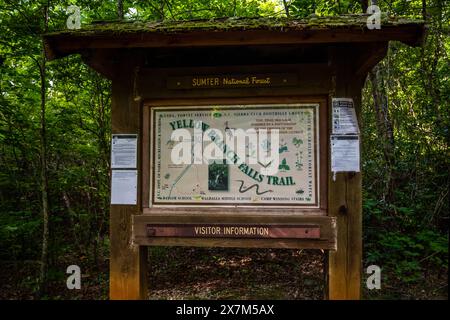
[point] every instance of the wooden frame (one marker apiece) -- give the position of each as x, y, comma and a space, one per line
183, 217
265, 106
323, 135
230, 215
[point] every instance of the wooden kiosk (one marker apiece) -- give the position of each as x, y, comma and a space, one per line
268, 73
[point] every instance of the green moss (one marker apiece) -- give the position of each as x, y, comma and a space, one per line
229, 24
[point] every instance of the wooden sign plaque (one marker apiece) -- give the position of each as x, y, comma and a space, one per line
234, 231
232, 81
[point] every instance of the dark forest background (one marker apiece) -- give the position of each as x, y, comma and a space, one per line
55, 158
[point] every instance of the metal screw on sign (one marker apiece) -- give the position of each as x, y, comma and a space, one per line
74, 20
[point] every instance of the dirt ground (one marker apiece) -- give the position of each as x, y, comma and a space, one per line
196, 273
238, 274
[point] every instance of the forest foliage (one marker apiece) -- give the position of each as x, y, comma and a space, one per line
404, 132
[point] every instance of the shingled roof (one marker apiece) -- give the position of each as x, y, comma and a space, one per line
231, 31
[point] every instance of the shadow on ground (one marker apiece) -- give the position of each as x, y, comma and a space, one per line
235, 273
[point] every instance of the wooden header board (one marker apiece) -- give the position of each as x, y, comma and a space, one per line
232, 81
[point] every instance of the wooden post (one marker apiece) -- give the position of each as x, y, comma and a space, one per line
345, 199
128, 262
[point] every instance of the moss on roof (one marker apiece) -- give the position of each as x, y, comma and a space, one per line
232, 24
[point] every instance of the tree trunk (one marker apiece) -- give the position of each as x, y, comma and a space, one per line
286, 8
384, 127
424, 10
43, 155
120, 13
364, 5
161, 10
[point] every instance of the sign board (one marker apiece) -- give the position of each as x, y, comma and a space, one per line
345, 137
234, 231
124, 187
230, 182
345, 153
344, 116
124, 151
232, 81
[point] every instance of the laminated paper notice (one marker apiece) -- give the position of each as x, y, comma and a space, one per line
124, 151
124, 187
344, 116
345, 153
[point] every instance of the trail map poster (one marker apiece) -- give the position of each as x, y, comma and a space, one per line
231, 183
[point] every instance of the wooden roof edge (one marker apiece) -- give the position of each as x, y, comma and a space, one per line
118, 27
231, 31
